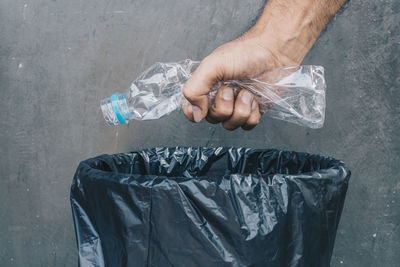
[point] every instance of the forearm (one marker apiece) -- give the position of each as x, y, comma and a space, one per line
290, 27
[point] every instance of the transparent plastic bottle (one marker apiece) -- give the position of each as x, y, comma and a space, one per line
294, 94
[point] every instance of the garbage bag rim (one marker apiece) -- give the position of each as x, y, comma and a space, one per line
91, 163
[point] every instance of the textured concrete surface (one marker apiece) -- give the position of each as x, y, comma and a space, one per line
58, 59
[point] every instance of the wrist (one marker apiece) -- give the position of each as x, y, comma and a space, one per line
289, 29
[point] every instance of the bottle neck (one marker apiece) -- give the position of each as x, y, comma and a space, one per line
115, 109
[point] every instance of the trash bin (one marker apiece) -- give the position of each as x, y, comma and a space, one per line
207, 207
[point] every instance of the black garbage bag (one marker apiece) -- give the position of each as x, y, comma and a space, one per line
208, 207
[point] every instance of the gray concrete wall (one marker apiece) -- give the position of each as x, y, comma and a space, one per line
58, 59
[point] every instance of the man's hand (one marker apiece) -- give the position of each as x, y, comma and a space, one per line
239, 59
282, 37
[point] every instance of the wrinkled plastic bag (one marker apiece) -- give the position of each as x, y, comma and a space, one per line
208, 207
294, 94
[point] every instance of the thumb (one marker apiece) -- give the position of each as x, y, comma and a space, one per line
198, 86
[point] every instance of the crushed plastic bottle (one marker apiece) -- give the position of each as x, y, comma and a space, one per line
294, 94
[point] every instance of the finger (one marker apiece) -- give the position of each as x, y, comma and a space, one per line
254, 118
187, 110
241, 112
196, 89
222, 108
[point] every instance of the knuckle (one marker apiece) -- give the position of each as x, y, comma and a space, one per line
228, 127
247, 127
212, 120
253, 121
223, 110
188, 93
242, 112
